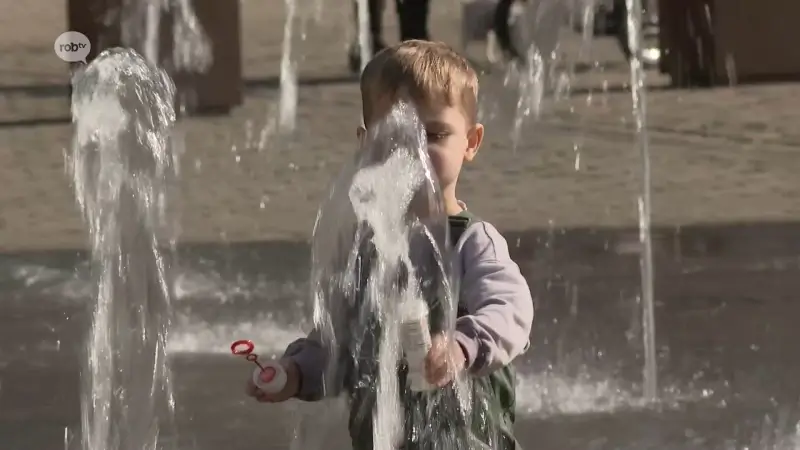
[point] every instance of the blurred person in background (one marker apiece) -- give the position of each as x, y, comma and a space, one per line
503, 18
413, 18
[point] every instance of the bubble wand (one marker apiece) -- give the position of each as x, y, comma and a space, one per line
270, 377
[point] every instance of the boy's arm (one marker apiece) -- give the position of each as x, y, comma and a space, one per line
311, 358
499, 305
311, 355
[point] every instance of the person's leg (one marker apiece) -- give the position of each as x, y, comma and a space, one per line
413, 17
375, 26
620, 16
502, 29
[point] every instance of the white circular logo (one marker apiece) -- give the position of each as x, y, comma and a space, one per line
72, 46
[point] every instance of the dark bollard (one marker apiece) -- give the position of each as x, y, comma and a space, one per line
218, 89
720, 42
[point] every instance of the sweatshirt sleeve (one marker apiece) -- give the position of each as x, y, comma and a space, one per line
498, 302
310, 357
312, 353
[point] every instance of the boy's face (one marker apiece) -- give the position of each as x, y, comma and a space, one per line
452, 140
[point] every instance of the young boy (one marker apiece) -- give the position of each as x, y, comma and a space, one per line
495, 310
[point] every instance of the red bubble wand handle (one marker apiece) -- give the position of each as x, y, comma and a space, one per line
270, 377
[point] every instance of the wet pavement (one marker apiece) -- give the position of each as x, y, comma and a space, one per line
726, 313
726, 293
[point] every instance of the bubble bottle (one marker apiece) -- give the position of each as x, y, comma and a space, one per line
270, 377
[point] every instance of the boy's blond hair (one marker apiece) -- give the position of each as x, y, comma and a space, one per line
431, 73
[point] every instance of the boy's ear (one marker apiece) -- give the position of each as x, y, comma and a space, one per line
474, 141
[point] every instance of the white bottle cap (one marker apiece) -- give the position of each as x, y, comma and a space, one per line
272, 379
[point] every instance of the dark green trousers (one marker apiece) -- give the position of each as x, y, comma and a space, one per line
434, 420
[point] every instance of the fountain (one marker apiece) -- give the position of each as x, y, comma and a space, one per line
122, 162
386, 204
123, 159
288, 79
639, 97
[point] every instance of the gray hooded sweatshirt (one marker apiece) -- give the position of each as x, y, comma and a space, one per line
494, 295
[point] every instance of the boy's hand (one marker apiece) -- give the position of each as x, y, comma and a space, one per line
444, 361
290, 390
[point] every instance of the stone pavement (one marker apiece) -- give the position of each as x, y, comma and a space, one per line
723, 155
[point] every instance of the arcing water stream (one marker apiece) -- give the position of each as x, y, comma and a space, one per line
380, 245
124, 158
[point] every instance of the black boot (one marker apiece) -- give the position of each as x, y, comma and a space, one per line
619, 16
502, 29
413, 15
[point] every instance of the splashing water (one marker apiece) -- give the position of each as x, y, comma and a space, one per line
536, 76
382, 210
381, 243
639, 97
536, 34
122, 162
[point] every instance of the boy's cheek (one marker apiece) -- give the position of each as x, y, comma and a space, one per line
440, 165
435, 155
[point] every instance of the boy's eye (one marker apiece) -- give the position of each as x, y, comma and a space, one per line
436, 136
